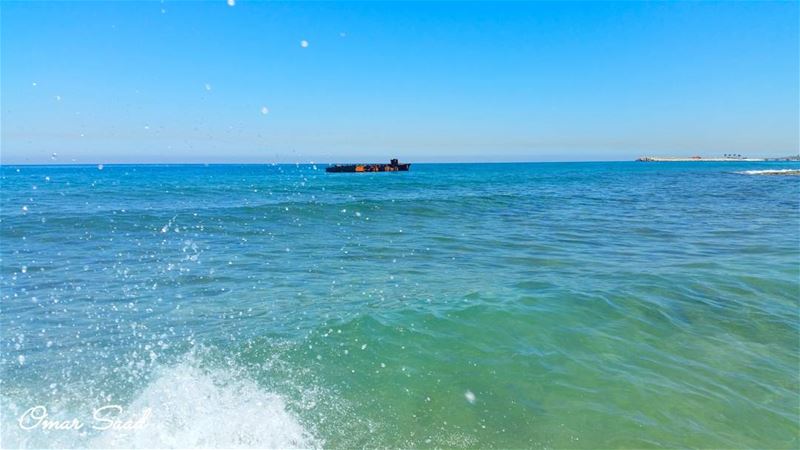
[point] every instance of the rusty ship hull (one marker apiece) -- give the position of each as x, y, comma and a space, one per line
393, 166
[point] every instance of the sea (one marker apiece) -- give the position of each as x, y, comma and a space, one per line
537, 305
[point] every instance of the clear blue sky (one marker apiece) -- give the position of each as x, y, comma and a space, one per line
186, 81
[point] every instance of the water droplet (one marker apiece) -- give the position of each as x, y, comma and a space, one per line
304, 43
469, 396
99, 167
21, 359
264, 110
231, 2
208, 87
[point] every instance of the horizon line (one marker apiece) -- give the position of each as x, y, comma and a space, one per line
311, 163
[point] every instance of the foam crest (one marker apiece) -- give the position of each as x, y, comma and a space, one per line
196, 408
771, 172
190, 407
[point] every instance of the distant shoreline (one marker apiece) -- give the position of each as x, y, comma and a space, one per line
701, 159
794, 159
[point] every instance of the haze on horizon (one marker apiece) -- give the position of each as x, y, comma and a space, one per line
168, 82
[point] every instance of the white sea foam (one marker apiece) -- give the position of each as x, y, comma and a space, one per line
769, 172
191, 407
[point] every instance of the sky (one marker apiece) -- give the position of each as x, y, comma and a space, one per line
252, 82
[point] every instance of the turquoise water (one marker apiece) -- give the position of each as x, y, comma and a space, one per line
570, 305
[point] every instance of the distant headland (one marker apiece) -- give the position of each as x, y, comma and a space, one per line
723, 158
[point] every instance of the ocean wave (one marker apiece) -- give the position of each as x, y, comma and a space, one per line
190, 407
771, 172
